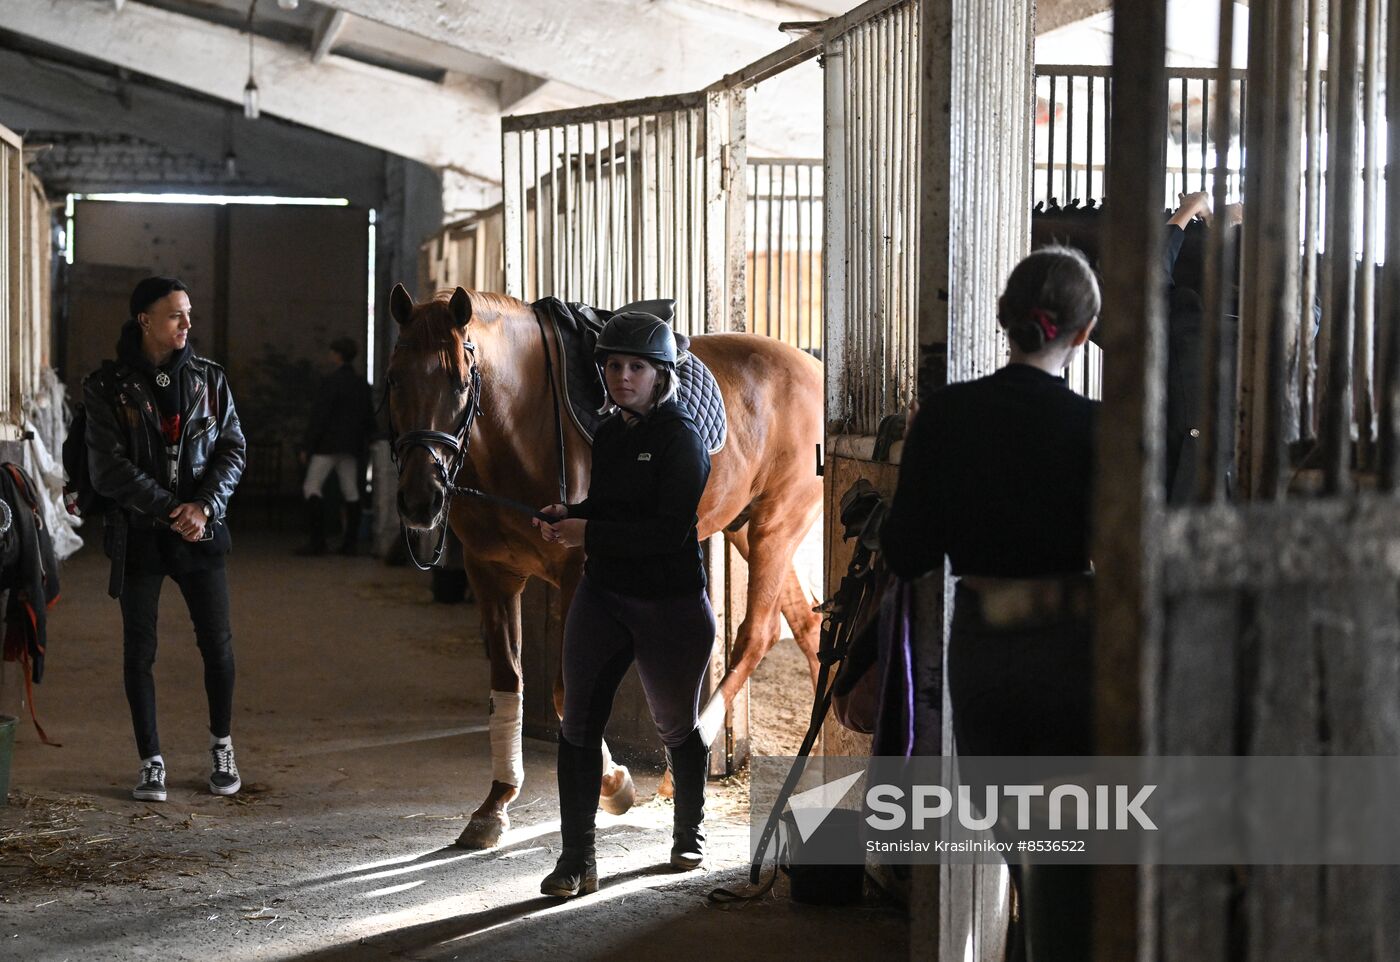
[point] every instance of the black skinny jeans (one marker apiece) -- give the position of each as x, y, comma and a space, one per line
1028, 691
206, 595
670, 638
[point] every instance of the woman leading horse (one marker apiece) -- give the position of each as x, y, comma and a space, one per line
467, 388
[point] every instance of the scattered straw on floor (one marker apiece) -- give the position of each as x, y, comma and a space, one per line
54, 844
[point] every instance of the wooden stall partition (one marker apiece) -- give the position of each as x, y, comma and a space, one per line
38, 327
14, 253
468, 253
1260, 620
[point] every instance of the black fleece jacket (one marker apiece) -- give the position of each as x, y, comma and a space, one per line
647, 480
997, 475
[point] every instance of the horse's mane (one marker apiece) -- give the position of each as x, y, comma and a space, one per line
434, 327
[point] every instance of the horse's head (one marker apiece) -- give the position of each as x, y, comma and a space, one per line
432, 399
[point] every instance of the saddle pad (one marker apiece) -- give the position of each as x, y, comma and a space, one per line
577, 327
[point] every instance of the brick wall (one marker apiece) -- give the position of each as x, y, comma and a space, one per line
87, 163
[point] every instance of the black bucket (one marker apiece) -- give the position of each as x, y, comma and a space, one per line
824, 884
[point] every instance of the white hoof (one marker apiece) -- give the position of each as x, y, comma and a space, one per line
483, 831
622, 799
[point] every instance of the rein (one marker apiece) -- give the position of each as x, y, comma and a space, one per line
456, 444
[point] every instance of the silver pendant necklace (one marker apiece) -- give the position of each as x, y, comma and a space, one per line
162, 379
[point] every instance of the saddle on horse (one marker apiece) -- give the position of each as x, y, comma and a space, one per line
577, 327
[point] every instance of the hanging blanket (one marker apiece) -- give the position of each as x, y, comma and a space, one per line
29, 571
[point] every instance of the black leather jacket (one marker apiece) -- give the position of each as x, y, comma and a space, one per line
126, 454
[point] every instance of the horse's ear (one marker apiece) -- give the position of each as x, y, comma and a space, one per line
461, 307
400, 305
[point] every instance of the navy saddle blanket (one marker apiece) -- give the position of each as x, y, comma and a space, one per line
577, 327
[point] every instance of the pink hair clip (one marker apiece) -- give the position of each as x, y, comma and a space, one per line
1042, 318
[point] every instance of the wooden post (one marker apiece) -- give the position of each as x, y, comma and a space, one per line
1339, 310
1388, 319
1218, 401
1127, 470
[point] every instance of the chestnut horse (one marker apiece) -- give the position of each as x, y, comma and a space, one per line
479, 354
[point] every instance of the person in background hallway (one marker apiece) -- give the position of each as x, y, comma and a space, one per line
337, 438
996, 477
165, 445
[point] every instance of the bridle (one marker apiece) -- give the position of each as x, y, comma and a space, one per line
456, 445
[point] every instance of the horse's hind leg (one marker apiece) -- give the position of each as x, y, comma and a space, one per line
796, 602
771, 538
498, 599
797, 605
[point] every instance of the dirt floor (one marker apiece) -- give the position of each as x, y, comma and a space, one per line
360, 729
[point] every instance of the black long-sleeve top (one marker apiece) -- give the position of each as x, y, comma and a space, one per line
643, 494
996, 474
342, 416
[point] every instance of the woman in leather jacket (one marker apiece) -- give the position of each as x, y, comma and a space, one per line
164, 444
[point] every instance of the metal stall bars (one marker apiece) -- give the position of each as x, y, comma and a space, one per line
628, 201
784, 250
1071, 149
1074, 104
12, 283
871, 246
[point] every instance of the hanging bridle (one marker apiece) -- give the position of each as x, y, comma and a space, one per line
456, 444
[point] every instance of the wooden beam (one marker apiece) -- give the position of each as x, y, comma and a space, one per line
617, 49
1267, 544
327, 33
436, 125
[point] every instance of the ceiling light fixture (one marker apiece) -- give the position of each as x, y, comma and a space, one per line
250, 89
288, 4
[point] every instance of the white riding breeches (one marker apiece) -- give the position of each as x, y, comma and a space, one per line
346, 467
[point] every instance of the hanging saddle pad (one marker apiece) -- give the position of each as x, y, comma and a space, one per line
577, 327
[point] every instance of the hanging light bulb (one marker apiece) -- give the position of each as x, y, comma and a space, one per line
250, 99
250, 89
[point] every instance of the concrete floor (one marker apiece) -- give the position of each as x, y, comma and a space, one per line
360, 731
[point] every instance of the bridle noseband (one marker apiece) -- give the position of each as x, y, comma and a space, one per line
433, 442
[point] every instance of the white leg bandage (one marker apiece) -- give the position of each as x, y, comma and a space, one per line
507, 759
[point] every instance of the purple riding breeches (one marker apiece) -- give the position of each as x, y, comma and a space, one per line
670, 638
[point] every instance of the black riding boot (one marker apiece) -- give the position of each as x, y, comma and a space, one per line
690, 766
580, 779
315, 528
351, 540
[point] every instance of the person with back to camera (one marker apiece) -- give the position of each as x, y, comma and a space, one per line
996, 476
338, 433
642, 595
164, 444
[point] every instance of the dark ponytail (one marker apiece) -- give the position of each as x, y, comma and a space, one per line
1050, 296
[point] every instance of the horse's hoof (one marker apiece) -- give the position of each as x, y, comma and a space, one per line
483, 831
621, 798
666, 789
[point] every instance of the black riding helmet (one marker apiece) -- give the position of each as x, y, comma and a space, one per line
638, 334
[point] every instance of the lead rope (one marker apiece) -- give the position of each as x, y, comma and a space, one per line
841, 615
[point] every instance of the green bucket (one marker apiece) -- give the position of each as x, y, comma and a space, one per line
8, 724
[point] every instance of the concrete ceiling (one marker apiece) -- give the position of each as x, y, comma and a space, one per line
430, 79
